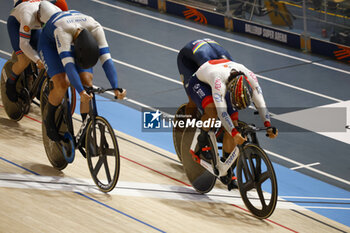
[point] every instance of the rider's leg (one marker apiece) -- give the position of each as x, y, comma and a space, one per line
200, 93
228, 145
203, 138
22, 62
55, 70
187, 67
191, 108
86, 80
60, 86
209, 113
17, 68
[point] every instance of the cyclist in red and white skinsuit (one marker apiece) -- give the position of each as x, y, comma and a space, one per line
24, 30
216, 73
219, 88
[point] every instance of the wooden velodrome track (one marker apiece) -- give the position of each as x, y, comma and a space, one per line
152, 194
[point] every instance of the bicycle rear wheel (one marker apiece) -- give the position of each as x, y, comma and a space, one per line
200, 178
12, 109
177, 131
102, 154
54, 150
257, 181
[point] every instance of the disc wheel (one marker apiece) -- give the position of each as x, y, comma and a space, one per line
257, 181
54, 150
102, 154
25, 101
177, 131
200, 178
12, 109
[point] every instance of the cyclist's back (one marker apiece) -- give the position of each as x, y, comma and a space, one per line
68, 22
60, 29
196, 53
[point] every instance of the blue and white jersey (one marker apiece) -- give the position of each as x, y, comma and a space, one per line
60, 30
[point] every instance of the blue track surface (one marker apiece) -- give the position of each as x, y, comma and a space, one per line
290, 183
140, 63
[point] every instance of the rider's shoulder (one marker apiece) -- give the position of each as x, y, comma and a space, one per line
26, 7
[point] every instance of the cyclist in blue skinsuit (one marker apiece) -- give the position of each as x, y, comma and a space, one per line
71, 43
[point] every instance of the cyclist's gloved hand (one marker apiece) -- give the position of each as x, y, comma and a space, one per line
238, 139
11, 91
271, 132
203, 143
119, 93
85, 97
51, 129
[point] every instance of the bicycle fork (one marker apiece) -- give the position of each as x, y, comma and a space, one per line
217, 167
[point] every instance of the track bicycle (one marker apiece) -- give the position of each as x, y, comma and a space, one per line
28, 87
95, 140
255, 174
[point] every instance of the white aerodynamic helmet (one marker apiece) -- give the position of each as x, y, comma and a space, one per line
46, 10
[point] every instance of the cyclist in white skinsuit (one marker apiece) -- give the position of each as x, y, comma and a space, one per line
24, 31
22, 26
216, 73
221, 87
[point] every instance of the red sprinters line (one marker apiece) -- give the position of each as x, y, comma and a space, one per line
287, 228
31, 118
161, 173
184, 183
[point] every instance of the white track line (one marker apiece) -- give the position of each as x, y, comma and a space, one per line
283, 158
224, 38
180, 83
309, 168
272, 153
299, 88
147, 71
136, 189
140, 39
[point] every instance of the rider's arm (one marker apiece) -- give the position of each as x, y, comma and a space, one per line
24, 37
63, 44
218, 91
258, 97
105, 56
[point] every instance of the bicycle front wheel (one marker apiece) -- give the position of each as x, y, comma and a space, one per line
257, 181
102, 154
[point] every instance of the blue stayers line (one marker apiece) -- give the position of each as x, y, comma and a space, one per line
118, 211
90, 198
17, 165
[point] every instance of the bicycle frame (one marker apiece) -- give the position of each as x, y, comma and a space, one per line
218, 168
89, 117
253, 169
